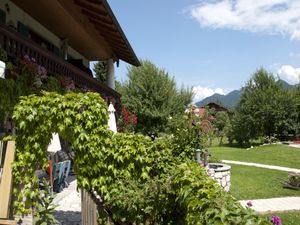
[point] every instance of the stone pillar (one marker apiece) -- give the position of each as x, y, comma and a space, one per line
110, 74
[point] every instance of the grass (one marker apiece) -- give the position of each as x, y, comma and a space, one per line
288, 218
278, 155
249, 182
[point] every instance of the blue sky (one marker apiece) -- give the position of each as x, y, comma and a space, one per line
213, 46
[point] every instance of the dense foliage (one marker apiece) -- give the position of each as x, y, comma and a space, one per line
266, 109
296, 97
45, 207
140, 181
152, 94
205, 202
79, 118
221, 124
25, 77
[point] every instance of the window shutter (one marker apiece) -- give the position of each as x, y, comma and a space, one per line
23, 29
2, 17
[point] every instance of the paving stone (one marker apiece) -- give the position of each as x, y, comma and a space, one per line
274, 204
68, 211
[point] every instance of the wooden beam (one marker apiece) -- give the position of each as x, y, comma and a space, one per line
89, 7
109, 34
7, 180
8, 222
95, 1
114, 42
105, 25
97, 16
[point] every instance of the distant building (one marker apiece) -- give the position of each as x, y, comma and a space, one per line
208, 111
217, 107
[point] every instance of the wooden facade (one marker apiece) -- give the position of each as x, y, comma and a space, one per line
17, 46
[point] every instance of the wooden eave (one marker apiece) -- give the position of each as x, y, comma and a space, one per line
89, 25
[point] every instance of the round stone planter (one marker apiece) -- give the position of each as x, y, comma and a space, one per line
221, 173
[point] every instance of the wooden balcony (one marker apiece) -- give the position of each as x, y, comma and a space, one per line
17, 46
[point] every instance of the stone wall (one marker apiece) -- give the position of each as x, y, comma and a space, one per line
220, 173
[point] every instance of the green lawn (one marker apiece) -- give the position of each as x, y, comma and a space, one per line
289, 218
249, 182
279, 155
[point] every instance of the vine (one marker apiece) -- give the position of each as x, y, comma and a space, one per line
140, 181
26, 77
80, 118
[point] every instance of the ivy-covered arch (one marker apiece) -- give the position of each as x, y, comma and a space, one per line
80, 118
140, 181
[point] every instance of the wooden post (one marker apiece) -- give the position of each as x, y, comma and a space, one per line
8, 222
88, 209
6, 183
50, 175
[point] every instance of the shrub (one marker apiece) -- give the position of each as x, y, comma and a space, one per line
206, 202
140, 181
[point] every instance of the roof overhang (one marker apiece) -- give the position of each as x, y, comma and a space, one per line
89, 25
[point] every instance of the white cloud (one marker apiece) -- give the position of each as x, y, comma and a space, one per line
203, 92
289, 74
270, 16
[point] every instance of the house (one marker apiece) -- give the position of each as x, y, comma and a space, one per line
216, 107
208, 111
64, 36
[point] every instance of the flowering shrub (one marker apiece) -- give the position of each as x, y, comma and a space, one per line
276, 220
67, 83
39, 72
40, 75
127, 121
84, 89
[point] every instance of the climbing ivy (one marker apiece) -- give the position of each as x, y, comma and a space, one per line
140, 181
80, 118
25, 77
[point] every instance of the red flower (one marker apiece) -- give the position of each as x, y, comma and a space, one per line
126, 116
134, 120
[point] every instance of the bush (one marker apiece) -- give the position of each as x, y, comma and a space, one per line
173, 192
205, 202
140, 181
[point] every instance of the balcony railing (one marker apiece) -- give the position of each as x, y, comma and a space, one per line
17, 46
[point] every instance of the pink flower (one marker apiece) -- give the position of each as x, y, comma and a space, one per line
67, 83
42, 72
249, 204
276, 220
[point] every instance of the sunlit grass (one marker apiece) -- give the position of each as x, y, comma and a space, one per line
288, 218
278, 155
249, 182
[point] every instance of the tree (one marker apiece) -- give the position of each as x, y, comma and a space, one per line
296, 97
265, 109
220, 123
152, 94
100, 69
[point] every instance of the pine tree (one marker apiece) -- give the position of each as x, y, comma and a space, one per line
152, 94
100, 69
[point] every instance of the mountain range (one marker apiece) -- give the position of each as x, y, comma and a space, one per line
232, 98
